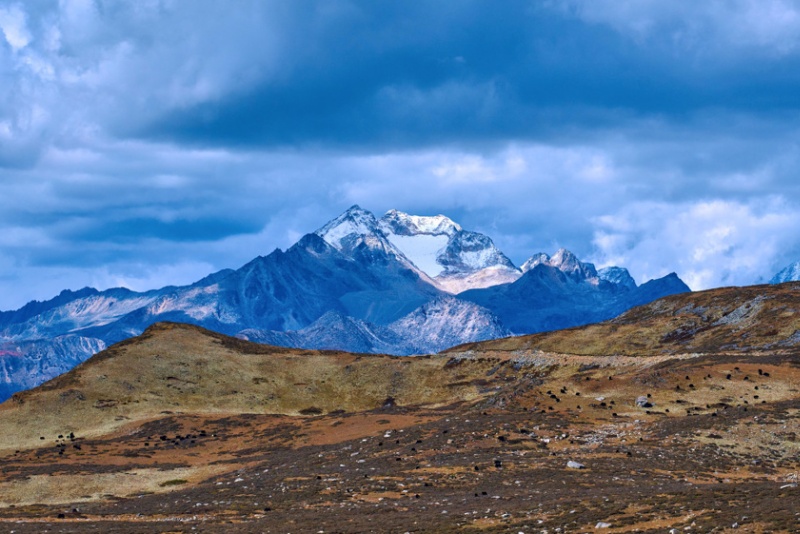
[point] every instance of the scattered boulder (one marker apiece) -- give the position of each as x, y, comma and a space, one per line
643, 402
602, 524
575, 465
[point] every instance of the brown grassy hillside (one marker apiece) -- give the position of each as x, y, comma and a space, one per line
186, 369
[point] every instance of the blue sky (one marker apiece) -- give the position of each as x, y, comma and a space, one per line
151, 142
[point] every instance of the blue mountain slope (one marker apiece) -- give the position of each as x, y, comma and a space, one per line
546, 298
436, 325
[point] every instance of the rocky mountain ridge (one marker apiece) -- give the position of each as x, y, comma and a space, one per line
358, 283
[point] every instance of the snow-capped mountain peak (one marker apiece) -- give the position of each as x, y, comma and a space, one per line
617, 276
533, 261
344, 230
566, 262
357, 234
399, 223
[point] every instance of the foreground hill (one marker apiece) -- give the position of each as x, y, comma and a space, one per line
182, 429
192, 370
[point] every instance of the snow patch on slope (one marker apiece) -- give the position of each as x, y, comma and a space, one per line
445, 322
92, 311
488, 277
436, 325
198, 303
454, 258
422, 249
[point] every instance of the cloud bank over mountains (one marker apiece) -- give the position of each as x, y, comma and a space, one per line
149, 143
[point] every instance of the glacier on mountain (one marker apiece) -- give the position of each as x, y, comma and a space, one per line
456, 259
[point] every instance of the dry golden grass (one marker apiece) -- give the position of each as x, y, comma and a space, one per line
68, 488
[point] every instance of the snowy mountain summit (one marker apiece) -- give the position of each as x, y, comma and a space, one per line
357, 228
398, 223
350, 228
566, 262
445, 255
436, 247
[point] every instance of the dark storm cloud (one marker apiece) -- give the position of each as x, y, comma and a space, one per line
403, 74
150, 142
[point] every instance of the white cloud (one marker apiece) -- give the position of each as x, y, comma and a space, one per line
709, 243
14, 26
114, 69
715, 27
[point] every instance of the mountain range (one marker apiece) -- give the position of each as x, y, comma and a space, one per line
401, 284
